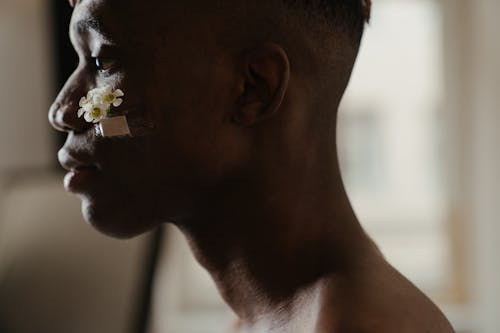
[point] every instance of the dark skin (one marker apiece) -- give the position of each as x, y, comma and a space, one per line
235, 144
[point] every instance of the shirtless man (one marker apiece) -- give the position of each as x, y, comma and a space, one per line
232, 110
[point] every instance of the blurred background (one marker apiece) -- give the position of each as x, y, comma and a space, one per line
418, 145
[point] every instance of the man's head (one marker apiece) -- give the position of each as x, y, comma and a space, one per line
216, 93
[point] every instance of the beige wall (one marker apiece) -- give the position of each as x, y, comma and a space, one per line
25, 84
472, 63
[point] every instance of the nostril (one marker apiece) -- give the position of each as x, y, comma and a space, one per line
64, 118
53, 117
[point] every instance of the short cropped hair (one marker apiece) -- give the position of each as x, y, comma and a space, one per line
347, 15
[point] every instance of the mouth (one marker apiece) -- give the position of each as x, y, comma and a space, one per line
83, 174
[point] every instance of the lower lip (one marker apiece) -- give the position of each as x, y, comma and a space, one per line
80, 180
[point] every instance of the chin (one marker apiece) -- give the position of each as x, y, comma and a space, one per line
122, 221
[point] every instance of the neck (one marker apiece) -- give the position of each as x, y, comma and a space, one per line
270, 238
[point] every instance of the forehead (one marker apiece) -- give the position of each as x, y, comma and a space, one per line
143, 11
136, 17
111, 19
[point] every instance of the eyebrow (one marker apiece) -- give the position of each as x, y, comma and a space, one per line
91, 24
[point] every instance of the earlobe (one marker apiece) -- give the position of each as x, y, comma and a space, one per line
266, 79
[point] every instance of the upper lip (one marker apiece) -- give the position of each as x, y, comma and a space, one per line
72, 160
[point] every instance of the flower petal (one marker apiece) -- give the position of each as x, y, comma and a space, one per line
91, 94
118, 93
81, 112
82, 102
88, 117
97, 99
117, 102
88, 107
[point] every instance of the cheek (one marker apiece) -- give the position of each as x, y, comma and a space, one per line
163, 176
194, 162
194, 143
129, 198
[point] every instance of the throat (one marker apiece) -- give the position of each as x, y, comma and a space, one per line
300, 313
263, 273
265, 245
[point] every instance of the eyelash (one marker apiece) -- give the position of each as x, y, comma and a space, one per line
101, 64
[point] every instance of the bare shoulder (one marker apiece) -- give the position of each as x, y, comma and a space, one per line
381, 301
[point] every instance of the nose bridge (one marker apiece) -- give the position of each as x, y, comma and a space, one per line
63, 112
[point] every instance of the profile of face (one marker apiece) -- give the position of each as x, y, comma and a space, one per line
179, 80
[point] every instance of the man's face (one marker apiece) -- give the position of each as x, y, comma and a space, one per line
179, 92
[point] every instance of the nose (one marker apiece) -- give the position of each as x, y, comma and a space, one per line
63, 112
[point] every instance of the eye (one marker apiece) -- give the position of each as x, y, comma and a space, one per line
102, 64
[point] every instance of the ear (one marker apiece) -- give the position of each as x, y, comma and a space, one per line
266, 75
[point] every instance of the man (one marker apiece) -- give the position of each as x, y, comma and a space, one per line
232, 108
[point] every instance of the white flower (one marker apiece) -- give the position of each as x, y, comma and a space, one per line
95, 113
106, 95
98, 102
94, 96
113, 97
